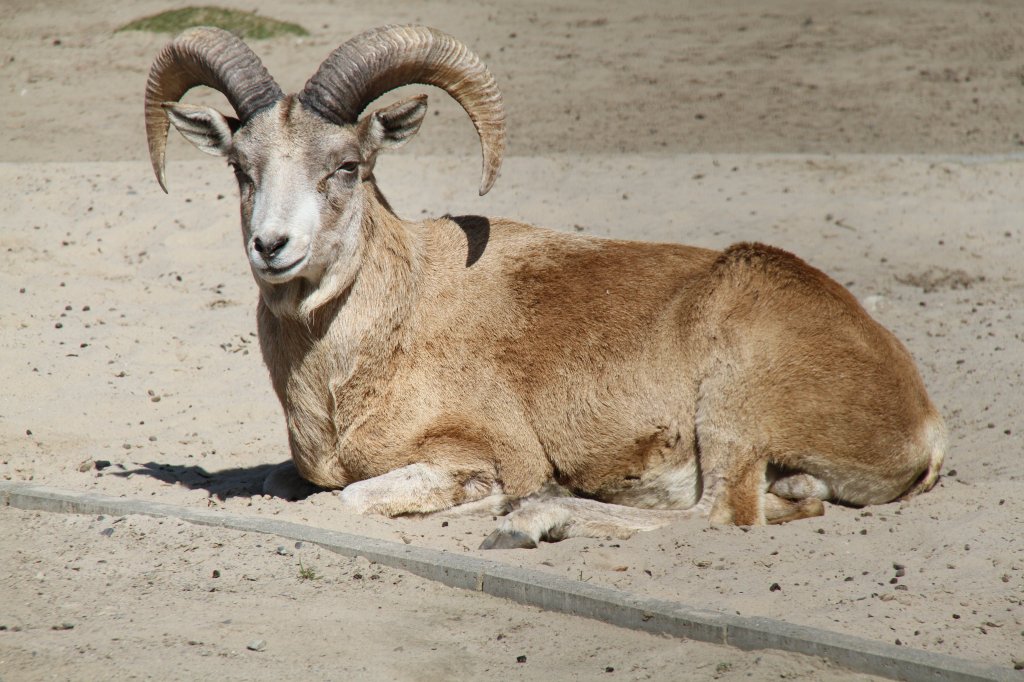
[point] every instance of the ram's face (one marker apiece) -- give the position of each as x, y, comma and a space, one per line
300, 179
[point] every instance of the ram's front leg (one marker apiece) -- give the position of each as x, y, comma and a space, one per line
419, 488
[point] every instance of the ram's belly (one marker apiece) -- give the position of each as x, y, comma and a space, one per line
666, 485
652, 466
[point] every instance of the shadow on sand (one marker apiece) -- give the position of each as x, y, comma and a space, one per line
223, 484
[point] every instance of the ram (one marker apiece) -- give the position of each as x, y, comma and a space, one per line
469, 362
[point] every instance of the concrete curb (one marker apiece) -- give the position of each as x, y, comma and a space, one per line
549, 592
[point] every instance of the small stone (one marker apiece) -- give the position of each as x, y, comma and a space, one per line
85, 466
107, 532
216, 573
64, 626
256, 645
1018, 663
521, 659
101, 464
609, 669
283, 551
899, 567
775, 587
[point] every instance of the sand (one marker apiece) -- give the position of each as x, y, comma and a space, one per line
881, 143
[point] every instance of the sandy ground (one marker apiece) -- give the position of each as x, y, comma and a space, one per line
879, 142
138, 598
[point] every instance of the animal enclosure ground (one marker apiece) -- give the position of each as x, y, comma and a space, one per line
835, 130
346, 617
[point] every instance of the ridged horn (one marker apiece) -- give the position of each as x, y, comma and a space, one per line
203, 56
382, 59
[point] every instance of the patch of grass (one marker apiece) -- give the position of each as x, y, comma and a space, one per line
243, 24
307, 572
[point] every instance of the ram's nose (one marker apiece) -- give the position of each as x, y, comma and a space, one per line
269, 247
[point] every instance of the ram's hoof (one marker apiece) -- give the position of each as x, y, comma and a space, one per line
505, 539
284, 481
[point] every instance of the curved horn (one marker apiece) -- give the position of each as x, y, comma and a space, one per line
203, 56
384, 58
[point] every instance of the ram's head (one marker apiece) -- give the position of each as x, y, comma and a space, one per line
305, 162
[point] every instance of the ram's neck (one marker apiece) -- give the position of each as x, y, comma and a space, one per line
321, 364
371, 311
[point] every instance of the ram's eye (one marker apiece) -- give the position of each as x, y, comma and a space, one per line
348, 167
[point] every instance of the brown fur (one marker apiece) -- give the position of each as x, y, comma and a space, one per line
558, 356
488, 356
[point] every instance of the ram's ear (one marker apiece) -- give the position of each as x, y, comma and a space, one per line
392, 126
206, 128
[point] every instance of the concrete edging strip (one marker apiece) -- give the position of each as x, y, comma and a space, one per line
549, 592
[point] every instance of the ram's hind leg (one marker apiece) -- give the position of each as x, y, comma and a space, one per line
741, 495
555, 519
795, 496
736, 492
732, 476
734, 459
780, 510
801, 486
